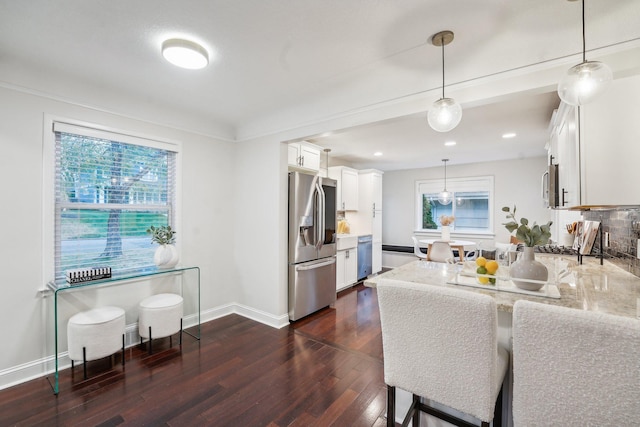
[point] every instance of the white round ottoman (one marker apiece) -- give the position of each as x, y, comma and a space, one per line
160, 316
95, 333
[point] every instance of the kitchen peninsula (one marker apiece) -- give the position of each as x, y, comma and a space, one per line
603, 288
588, 286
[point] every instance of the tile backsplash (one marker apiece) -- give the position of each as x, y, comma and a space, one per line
623, 226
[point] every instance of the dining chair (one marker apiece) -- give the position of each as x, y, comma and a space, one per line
574, 368
441, 344
440, 251
416, 249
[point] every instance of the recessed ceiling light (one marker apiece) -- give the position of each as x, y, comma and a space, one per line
509, 135
378, 153
185, 54
450, 143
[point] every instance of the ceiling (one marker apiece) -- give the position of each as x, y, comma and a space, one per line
283, 65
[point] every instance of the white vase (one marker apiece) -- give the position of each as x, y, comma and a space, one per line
166, 256
526, 267
446, 233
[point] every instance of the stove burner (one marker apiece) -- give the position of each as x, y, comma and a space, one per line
556, 249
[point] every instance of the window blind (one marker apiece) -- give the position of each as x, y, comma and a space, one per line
108, 192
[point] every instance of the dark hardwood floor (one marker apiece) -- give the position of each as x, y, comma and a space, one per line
323, 370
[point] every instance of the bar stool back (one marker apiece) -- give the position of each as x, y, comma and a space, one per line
441, 344
574, 367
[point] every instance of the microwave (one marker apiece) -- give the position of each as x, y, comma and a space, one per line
550, 187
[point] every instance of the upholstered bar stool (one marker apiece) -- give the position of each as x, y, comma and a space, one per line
94, 334
160, 316
574, 368
441, 344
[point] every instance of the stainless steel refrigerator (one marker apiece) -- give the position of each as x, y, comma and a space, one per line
312, 243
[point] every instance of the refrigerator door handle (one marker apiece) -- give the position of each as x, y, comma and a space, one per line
320, 212
309, 266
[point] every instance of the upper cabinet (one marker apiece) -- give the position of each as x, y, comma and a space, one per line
304, 156
596, 148
564, 152
347, 179
610, 145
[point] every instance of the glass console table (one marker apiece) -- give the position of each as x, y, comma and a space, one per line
59, 287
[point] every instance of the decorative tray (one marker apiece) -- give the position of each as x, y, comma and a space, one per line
503, 283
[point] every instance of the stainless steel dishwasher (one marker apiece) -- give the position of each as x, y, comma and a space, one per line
364, 256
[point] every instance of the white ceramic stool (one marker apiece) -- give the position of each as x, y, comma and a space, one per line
160, 316
95, 333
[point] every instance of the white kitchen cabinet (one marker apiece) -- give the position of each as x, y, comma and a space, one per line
610, 145
564, 151
303, 156
369, 216
347, 191
346, 268
597, 148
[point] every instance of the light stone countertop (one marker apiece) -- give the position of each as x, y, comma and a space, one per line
603, 288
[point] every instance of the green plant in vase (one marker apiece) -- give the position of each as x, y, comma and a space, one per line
532, 274
166, 255
162, 235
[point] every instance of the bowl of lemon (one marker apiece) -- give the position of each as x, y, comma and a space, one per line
486, 270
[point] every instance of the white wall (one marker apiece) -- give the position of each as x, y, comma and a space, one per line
261, 230
205, 234
516, 182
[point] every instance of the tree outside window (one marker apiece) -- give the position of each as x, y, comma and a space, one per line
471, 204
107, 194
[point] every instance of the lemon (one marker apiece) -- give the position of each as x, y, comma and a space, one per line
491, 266
483, 280
481, 261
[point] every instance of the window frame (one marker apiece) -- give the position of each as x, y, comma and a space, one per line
461, 184
51, 125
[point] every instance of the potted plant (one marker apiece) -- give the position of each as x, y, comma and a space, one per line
527, 267
166, 255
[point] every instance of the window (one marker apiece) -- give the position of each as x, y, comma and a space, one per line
471, 206
109, 188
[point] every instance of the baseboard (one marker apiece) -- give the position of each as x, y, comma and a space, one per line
46, 365
277, 322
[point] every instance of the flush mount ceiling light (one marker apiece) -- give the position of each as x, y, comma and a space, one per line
582, 83
445, 197
445, 114
509, 135
185, 54
450, 143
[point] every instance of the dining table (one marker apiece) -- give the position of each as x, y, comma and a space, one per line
455, 244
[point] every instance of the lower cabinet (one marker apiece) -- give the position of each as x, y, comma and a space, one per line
346, 268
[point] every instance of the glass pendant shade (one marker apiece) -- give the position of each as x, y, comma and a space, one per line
584, 82
445, 197
444, 115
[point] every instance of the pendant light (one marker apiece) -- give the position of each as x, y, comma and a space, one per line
584, 82
445, 114
445, 197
